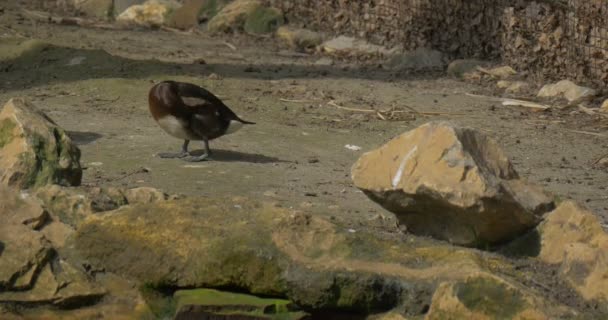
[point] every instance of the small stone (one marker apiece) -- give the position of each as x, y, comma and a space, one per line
199, 61
252, 69
214, 76
513, 86
458, 68
121, 5
349, 46
313, 160
150, 13
144, 195
325, 61
501, 72
602, 162
604, 107
567, 89
419, 59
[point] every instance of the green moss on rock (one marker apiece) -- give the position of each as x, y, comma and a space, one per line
490, 297
263, 20
52, 161
229, 303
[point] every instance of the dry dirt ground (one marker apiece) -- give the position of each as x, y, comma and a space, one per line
94, 83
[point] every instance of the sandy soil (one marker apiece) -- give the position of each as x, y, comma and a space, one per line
296, 153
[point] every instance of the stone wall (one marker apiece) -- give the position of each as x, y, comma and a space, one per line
549, 38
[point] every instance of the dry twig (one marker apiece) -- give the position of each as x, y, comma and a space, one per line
383, 114
512, 102
229, 45
589, 133
296, 101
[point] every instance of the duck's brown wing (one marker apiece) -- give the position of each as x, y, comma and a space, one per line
197, 97
205, 123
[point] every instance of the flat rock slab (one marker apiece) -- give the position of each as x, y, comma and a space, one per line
31, 272
451, 183
269, 250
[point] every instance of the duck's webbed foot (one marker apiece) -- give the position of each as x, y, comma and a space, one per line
172, 155
203, 157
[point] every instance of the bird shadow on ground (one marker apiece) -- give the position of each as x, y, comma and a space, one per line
237, 156
83, 137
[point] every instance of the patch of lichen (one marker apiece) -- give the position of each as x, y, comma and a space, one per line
263, 20
490, 297
255, 266
43, 162
6, 132
47, 158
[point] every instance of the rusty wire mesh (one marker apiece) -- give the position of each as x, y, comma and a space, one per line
548, 38
587, 25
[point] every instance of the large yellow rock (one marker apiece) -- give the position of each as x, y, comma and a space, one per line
573, 238
34, 150
451, 183
269, 250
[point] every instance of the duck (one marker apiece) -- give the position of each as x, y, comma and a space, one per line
189, 112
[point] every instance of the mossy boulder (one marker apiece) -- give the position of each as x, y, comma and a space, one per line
34, 150
232, 17
489, 297
271, 251
263, 20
